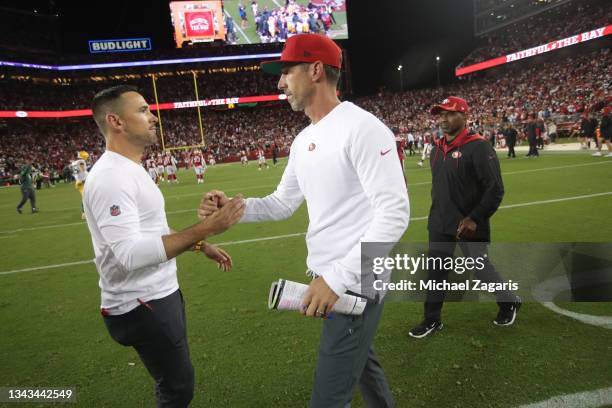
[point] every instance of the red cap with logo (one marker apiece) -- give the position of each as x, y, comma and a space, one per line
306, 48
452, 104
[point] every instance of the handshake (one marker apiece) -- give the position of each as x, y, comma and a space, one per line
218, 212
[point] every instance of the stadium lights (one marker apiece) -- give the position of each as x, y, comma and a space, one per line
139, 63
401, 78
438, 70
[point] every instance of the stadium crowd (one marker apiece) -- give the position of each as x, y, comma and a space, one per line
556, 92
175, 87
555, 24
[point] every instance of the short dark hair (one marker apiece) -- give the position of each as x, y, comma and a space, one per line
103, 102
332, 74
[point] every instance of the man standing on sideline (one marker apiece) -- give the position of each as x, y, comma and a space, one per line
532, 137
510, 135
605, 130
142, 305
27, 189
466, 191
345, 166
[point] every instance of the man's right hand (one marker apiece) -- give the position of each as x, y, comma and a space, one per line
211, 202
220, 220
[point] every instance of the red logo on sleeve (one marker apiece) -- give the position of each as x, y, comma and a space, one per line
115, 210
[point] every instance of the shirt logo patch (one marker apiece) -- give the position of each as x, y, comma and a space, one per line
383, 153
456, 154
311, 147
115, 210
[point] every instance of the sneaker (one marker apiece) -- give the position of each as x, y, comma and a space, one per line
420, 164
34, 210
596, 154
608, 155
507, 313
19, 210
425, 328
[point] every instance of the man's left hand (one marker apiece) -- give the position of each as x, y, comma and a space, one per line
319, 299
222, 258
466, 228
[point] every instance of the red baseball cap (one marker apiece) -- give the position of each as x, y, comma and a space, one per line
452, 104
306, 48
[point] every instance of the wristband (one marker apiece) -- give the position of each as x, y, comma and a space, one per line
197, 247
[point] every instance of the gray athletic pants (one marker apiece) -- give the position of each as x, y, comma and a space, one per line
346, 357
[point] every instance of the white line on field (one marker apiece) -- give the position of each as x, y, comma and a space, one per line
587, 399
43, 227
36, 268
178, 196
550, 288
557, 200
237, 25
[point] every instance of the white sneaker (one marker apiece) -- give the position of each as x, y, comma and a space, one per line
420, 164
608, 155
596, 154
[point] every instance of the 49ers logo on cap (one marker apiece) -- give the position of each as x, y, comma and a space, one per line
456, 154
311, 147
115, 210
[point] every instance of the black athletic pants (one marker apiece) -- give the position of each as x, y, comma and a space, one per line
443, 245
158, 332
511, 150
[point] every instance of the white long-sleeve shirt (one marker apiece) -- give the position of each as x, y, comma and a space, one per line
126, 219
347, 169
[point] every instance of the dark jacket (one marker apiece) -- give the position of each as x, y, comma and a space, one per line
530, 130
606, 126
466, 181
588, 127
510, 136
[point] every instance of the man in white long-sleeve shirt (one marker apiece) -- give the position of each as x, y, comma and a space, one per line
344, 164
135, 249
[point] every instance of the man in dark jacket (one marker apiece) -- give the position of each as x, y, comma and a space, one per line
466, 191
510, 135
605, 132
532, 136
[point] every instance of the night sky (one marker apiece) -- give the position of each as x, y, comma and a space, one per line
383, 34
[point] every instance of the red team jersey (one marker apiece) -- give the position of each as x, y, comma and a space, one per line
197, 160
401, 145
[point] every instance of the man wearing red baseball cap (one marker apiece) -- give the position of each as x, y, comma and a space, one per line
466, 191
344, 165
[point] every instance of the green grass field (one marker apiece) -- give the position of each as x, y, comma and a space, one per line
248, 35
246, 356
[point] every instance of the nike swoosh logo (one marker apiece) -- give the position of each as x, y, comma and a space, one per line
383, 153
